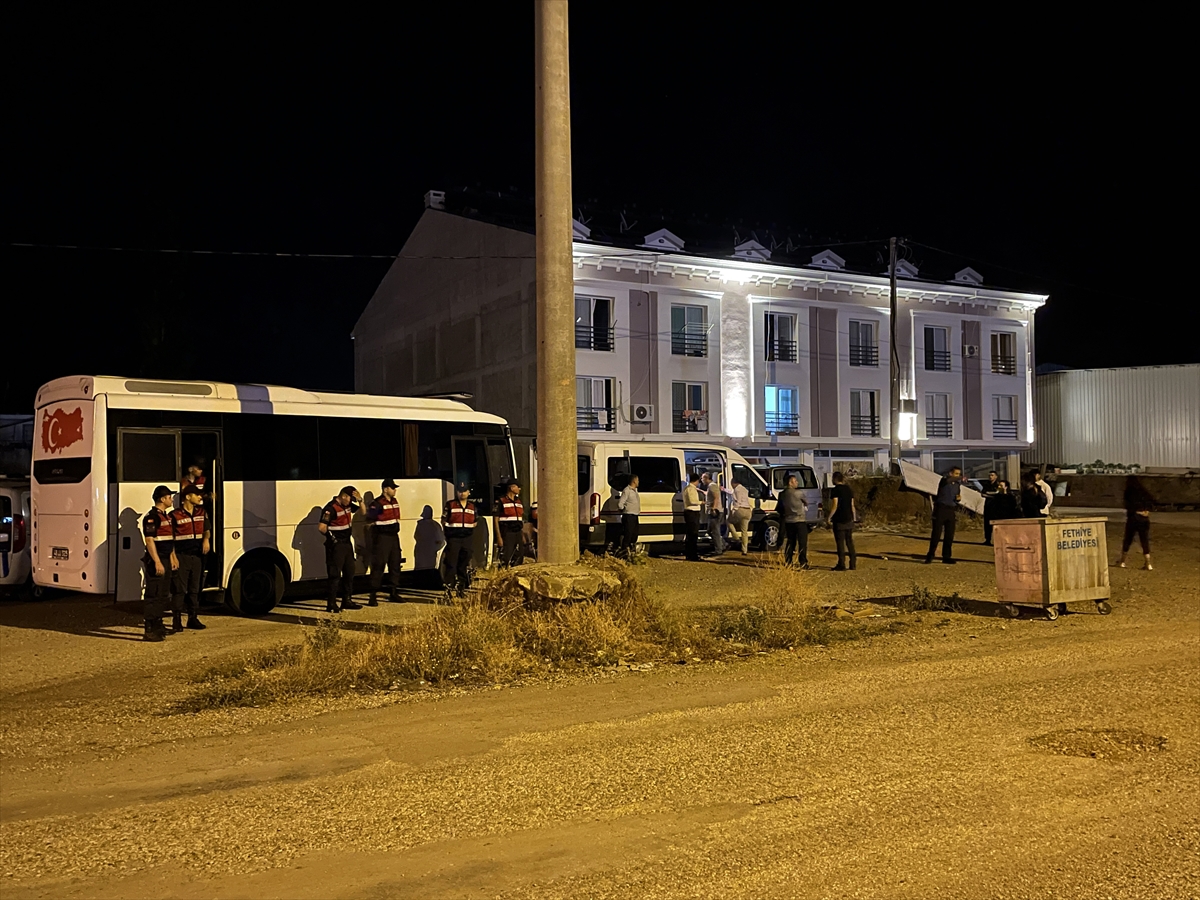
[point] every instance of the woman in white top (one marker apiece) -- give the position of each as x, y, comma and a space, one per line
630, 505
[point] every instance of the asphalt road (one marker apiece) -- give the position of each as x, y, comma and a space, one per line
967, 757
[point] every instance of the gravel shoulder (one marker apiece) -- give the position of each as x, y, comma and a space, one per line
935, 761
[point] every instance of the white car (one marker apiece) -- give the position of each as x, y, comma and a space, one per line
15, 568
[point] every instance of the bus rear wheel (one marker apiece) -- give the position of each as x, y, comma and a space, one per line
255, 586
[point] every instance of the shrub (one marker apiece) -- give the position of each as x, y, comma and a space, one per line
490, 636
783, 616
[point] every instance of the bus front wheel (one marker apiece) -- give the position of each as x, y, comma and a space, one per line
255, 586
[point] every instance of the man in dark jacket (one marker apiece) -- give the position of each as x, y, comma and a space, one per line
945, 508
990, 489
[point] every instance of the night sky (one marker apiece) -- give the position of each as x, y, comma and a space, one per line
1006, 143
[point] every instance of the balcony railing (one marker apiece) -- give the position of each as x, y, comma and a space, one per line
595, 418
937, 360
688, 422
686, 343
939, 428
781, 351
783, 423
1004, 429
865, 425
593, 337
1004, 365
864, 355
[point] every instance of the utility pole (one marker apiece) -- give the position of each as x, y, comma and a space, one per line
894, 420
558, 530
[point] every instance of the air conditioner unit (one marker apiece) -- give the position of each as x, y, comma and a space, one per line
971, 350
641, 412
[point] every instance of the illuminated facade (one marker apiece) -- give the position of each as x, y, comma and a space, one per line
783, 361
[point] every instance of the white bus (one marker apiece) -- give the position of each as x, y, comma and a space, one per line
273, 457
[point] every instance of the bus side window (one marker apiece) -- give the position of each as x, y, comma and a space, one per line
149, 456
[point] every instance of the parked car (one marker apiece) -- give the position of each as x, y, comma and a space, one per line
16, 573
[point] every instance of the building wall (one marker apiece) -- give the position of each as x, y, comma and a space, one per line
1147, 415
456, 312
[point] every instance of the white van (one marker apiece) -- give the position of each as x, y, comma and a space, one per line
14, 534
604, 468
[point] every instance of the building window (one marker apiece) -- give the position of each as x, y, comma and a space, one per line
937, 349
1004, 418
864, 413
1004, 353
689, 411
594, 407
864, 345
781, 405
689, 330
593, 323
939, 422
780, 337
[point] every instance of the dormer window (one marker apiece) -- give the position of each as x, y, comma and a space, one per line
752, 250
827, 259
905, 269
968, 276
663, 240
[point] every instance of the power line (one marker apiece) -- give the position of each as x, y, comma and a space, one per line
257, 253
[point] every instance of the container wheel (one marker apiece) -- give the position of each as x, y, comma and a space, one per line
1051, 613
1103, 607
1012, 610
1062, 609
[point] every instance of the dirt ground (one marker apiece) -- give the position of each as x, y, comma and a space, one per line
968, 755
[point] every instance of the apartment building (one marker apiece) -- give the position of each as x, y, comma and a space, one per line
742, 344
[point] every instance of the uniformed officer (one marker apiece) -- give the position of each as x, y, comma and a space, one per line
510, 523
195, 476
159, 563
383, 517
193, 536
339, 547
458, 522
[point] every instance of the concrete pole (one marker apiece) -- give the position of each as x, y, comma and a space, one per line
558, 500
894, 354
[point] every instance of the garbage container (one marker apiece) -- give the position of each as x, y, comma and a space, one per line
1048, 563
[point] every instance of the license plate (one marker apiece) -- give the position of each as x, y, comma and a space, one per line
60, 553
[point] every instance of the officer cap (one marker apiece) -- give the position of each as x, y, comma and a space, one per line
192, 488
509, 482
162, 491
462, 488
388, 483
348, 489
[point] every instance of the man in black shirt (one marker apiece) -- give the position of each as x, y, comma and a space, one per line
945, 508
990, 489
841, 517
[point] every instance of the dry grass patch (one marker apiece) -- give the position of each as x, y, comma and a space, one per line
491, 636
786, 612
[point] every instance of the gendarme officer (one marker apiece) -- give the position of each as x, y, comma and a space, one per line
383, 519
192, 537
510, 523
458, 521
159, 562
339, 547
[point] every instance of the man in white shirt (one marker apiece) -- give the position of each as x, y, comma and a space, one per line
692, 506
740, 511
714, 507
1047, 492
